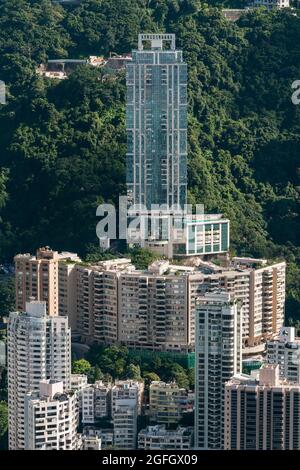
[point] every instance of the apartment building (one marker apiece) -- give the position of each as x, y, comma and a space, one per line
99, 399
39, 348
167, 402
259, 285
67, 287
96, 402
127, 390
125, 424
159, 438
51, 418
112, 302
153, 310
78, 382
263, 413
96, 297
284, 350
156, 109
36, 278
218, 358
156, 125
168, 294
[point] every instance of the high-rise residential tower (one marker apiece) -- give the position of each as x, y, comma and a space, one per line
218, 358
37, 278
156, 122
39, 348
156, 125
263, 413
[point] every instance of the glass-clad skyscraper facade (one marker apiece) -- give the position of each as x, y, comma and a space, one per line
156, 122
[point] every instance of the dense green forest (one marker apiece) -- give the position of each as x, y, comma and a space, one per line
63, 143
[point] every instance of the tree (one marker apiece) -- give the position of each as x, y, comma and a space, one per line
133, 372
150, 377
7, 295
98, 375
3, 424
293, 290
3, 383
94, 374
141, 257
191, 378
81, 366
179, 375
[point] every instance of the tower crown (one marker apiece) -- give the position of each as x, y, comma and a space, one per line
157, 41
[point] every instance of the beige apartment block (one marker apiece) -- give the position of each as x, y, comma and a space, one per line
96, 297
270, 405
155, 309
37, 278
112, 302
260, 287
67, 291
152, 310
167, 402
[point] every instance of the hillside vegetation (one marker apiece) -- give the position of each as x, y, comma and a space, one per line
63, 144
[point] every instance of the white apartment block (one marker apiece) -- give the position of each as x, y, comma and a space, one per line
36, 278
167, 402
127, 390
125, 424
78, 383
218, 358
158, 438
284, 350
263, 413
51, 418
39, 348
99, 399
271, 4
95, 402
